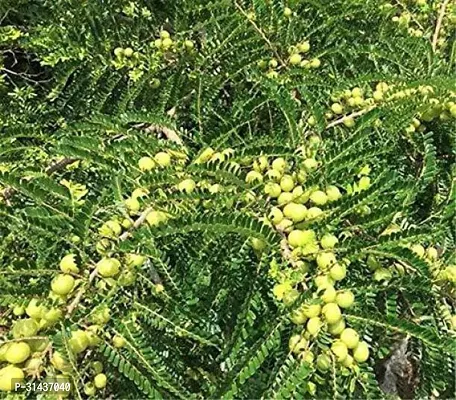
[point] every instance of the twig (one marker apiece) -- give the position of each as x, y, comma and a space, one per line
169, 133
355, 114
78, 297
438, 25
136, 225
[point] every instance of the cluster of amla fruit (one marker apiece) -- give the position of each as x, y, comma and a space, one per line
30, 352
295, 208
166, 43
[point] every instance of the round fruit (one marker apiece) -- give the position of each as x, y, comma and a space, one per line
338, 272
155, 218
453, 111
348, 362
325, 260
323, 362
62, 284
329, 295
293, 341
295, 59
108, 267
59, 362
118, 52
323, 281
118, 341
361, 352
17, 352
287, 12
275, 215
332, 313
307, 356
132, 205
258, 244
310, 164
298, 238
337, 328
25, 328
432, 253
295, 212
9, 376
319, 198
79, 341
68, 264
53, 315
97, 367
349, 122
311, 310
187, 186
315, 63
163, 159
350, 337
279, 164
33, 310
364, 183
128, 52
110, 229
340, 350
164, 34
189, 45
298, 317
304, 47
313, 326
357, 92
314, 212
377, 95
89, 389
18, 311
328, 241
287, 183
337, 108
272, 189
100, 381
284, 198
345, 299
3, 350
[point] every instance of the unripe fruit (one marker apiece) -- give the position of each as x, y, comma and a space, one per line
338, 272
25, 327
432, 253
298, 238
274, 175
337, 108
323, 362
312, 121
118, 52
128, 52
340, 350
68, 264
279, 164
205, 156
349, 122
345, 299
89, 389
3, 350
304, 47
361, 352
167, 43
348, 362
295, 212
62, 284
187, 186
287, 12
189, 45
319, 197
118, 341
293, 341
314, 212
453, 111
329, 295
325, 260
332, 313
285, 225
154, 218
364, 183
313, 326
132, 205
275, 215
253, 176
307, 356
337, 328
350, 337
134, 260
163, 159
310, 164
59, 362
78, 342
315, 63
323, 281
108, 267
298, 317
272, 189
382, 87
300, 346
357, 92
418, 250
328, 241
284, 198
164, 34
9, 376
287, 183
17, 352
258, 244
100, 381
53, 315
382, 274
18, 311
377, 96
295, 59
110, 229
311, 310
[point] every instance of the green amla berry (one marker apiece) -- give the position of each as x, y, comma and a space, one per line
18, 311
146, 164
326, 260
68, 264
295, 59
338, 272
62, 284
27, 327
258, 244
284, 198
350, 337
345, 299
155, 218
323, 362
332, 313
287, 183
340, 350
272, 189
310, 164
418, 250
311, 310
134, 260
333, 193
100, 381
287, 12
189, 45
298, 317
110, 229
279, 164
337, 328
299, 238
108, 267
132, 205
118, 341
304, 47
164, 34
17, 352
361, 352
79, 341
328, 241
9, 377
315, 63
337, 108
275, 215
163, 159
253, 176
432, 253
349, 122
312, 121
329, 295
89, 389
118, 52
313, 326
128, 52
295, 212
187, 185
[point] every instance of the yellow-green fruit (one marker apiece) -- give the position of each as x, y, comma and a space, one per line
53, 315
364, 183
59, 362
9, 376
340, 350
100, 381
315, 63
337, 108
189, 45
38, 345
134, 260
313, 326
295, 212
361, 352
325, 260
345, 299
17, 352
298, 238
350, 337
314, 212
287, 183
128, 52
284, 198
155, 218
382, 274
3, 350
337, 328
310, 164
132, 205
89, 389
25, 328
164, 34
328, 241
323, 362
187, 186
323, 281
298, 317
167, 43
319, 198
146, 164
274, 175
68, 264
432, 253
163, 159
452, 321
312, 121
311, 310
285, 225
108, 267
272, 189
357, 92
253, 176
453, 111
279, 164
348, 362
377, 95
118, 341
287, 12
258, 244
338, 272
18, 311
329, 295
295, 59
35, 311
110, 229
78, 342
62, 284
418, 250
349, 122
293, 341
205, 156
304, 47
307, 356
275, 215
332, 313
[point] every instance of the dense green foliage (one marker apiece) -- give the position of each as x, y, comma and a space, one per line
208, 285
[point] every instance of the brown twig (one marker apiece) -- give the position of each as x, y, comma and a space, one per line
352, 115
136, 224
438, 25
78, 297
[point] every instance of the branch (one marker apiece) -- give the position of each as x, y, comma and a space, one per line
169, 133
136, 225
438, 25
353, 115
78, 297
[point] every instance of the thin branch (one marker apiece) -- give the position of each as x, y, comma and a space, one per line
60, 165
78, 297
136, 225
352, 115
438, 25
